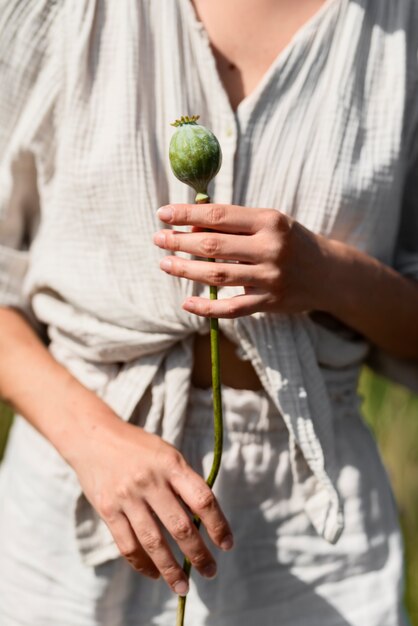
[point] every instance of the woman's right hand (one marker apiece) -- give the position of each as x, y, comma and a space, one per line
135, 480
137, 483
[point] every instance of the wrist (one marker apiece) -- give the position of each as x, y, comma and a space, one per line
346, 277
70, 416
325, 276
84, 421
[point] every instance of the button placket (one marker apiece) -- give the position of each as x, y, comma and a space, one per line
224, 183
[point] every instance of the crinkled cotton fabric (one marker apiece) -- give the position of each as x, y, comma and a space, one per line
280, 570
329, 136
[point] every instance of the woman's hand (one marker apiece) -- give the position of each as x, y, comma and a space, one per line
285, 268
279, 263
137, 482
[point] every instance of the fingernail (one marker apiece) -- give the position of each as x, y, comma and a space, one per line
181, 588
227, 543
159, 239
165, 214
209, 570
166, 264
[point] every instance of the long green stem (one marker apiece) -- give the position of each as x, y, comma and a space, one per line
217, 420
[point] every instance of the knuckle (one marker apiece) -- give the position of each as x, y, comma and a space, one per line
179, 268
188, 214
173, 242
205, 308
182, 529
218, 530
199, 559
146, 571
275, 220
208, 310
130, 552
140, 565
107, 510
217, 214
123, 491
205, 500
171, 572
143, 479
172, 461
218, 277
151, 541
209, 246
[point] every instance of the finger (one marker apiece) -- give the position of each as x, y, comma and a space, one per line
226, 308
218, 274
151, 538
130, 548
184, 532
209, 245
223, 217
201, 500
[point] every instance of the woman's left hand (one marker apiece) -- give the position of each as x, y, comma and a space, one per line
280, 264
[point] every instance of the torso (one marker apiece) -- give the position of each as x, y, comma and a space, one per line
246, 37
312, 142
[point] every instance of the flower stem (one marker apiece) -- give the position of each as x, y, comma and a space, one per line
217, 420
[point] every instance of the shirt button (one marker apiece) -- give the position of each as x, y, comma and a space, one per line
229, 131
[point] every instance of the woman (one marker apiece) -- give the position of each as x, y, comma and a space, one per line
314, 108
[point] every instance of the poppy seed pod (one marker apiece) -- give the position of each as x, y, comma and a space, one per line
195, 155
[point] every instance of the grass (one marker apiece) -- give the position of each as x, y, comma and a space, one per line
392, 413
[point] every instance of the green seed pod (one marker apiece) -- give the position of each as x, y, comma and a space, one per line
195, 155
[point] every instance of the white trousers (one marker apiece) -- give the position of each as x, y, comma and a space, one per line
280, 571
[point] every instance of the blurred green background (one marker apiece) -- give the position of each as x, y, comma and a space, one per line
392, 413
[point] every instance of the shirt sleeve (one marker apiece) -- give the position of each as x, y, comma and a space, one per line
406, 262
28, 95
406, 252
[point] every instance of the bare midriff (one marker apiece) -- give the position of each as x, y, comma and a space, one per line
235, 372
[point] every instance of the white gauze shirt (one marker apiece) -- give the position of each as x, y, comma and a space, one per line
329, 136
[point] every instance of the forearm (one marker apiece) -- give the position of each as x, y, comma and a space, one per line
43, 391
370, 297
